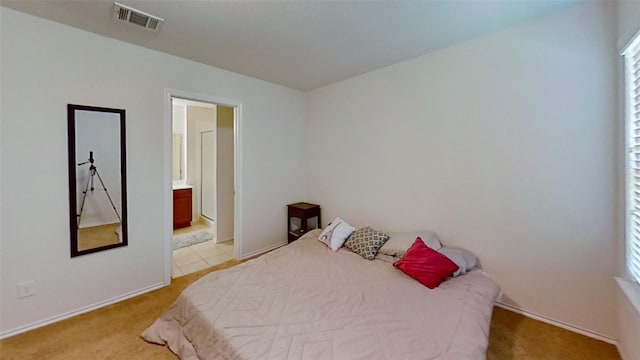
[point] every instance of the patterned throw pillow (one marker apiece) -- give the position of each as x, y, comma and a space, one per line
366, 242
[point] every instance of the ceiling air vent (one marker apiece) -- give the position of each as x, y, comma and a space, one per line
130, 15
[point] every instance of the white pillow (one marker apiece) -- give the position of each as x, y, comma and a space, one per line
336, 233
340, 235
465, 259
325, 235
400, 242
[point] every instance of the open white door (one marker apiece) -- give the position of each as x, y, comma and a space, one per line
208, 174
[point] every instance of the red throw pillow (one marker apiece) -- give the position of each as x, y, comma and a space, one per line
426, 265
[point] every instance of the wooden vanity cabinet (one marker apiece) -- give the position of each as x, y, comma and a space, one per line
182, 208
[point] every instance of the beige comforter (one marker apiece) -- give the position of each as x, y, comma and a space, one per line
304, 301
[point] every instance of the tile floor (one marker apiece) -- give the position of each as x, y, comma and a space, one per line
199, 256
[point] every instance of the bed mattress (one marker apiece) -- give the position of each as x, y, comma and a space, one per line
304, 301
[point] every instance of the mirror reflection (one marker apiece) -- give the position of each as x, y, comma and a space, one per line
97, 178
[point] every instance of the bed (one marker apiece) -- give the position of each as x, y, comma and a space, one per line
304, 301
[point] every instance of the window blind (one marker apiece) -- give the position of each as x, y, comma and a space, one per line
632, 95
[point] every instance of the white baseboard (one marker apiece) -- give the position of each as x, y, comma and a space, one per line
560, 324
82, 310
264, 250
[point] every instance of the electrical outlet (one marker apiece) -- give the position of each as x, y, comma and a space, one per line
26, 289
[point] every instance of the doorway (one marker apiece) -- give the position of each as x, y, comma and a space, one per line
204, 137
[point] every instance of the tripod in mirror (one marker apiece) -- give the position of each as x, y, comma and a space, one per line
93, 172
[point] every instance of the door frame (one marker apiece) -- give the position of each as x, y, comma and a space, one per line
168, 179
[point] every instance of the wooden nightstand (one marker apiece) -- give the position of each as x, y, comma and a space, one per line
298, 216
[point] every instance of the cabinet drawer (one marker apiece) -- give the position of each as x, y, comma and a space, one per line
182, 193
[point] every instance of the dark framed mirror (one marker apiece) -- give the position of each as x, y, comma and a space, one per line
97, 178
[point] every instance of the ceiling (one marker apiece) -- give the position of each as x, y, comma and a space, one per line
298, 44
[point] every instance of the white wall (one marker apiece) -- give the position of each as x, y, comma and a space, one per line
224, 183
628, 320
503, 144
628, 326
628, 21
44, 66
